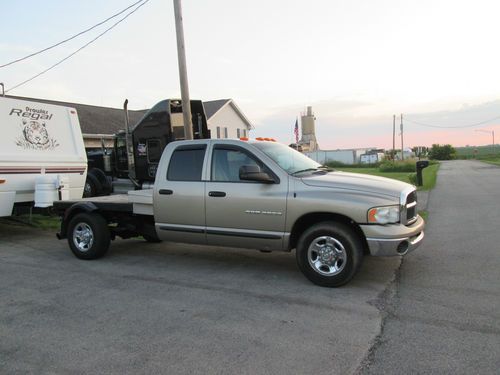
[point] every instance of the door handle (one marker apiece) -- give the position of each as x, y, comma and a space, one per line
216, 194
166, 192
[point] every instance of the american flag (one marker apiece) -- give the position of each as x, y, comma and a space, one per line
296, 130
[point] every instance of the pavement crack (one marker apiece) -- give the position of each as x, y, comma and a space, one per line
385, 303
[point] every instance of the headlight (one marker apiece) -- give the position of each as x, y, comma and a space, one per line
383, 215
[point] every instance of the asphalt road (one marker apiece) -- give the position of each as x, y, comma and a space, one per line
178, 309
445, 315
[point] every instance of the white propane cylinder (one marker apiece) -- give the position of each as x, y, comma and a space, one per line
63, 182
45, 191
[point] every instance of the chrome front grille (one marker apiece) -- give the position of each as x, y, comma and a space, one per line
409, 207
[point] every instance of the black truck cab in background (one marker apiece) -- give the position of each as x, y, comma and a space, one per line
162, 124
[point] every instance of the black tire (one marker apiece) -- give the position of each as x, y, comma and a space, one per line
329, 254
92, 187
151, 238
88, 236
100, 176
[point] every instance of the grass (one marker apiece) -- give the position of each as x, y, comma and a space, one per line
401, 176
429, 175
424, 214
44, 222
495, 160
476, 151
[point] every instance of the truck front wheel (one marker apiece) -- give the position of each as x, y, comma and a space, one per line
329, 254
88, 236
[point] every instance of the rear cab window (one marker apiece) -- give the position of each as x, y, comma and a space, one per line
186, 163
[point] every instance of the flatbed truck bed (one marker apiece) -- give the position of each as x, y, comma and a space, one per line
132, 213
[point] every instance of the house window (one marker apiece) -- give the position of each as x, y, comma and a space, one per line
238, 134
244, 133
225, 133
218, 131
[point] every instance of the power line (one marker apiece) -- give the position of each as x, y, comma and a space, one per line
79, 49
453, 127
70, 38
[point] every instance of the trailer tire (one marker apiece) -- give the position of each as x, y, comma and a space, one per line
329, 254
88, 236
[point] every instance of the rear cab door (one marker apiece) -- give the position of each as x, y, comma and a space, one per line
179, 193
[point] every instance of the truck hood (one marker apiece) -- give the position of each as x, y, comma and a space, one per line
357, 182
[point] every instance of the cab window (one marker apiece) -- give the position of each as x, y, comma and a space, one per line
226, 164
186, 164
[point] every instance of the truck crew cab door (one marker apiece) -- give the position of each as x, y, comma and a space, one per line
243, 213
179, 195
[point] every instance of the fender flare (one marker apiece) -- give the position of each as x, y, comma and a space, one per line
72, 211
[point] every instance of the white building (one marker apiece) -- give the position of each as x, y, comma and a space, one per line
225, 119
351, 156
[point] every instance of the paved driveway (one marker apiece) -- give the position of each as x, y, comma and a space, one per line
168, 308
445, 317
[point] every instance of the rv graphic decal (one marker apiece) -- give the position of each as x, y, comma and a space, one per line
33, 129
36, 137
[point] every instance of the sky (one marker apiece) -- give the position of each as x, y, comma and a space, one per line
356, 62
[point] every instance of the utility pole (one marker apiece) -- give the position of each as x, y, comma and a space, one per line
393, 138
492, 132
402, 154
181, 55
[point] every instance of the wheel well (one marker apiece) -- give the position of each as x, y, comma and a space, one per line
310, 219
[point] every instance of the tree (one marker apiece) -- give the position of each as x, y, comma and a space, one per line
442, 152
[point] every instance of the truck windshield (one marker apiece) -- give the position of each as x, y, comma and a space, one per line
287, 158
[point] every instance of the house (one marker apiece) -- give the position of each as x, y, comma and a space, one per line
226, 120
349, 156
98, 124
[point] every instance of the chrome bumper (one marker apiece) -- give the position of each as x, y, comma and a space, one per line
393, 240
398, 246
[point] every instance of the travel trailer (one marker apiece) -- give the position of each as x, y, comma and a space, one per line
42, 155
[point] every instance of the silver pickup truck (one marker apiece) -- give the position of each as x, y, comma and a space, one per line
255, 194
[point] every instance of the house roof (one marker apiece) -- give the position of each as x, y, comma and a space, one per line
214, 106
104, 120
94, 119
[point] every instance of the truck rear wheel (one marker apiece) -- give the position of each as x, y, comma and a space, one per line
88, 236
329, 254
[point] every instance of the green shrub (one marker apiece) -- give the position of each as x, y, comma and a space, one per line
399, 166
442, 152
339, 164
412, 177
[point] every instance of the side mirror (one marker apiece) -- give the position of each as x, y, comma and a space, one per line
254, 173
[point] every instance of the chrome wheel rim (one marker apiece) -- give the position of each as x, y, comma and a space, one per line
83, 237
327, 256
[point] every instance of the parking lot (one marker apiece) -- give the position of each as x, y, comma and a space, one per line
172, 308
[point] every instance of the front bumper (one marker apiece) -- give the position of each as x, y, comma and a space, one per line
391, 240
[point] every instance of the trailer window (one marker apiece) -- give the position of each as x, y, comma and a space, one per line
186, 165
154, 151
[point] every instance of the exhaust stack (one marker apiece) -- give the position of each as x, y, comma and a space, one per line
130, 145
